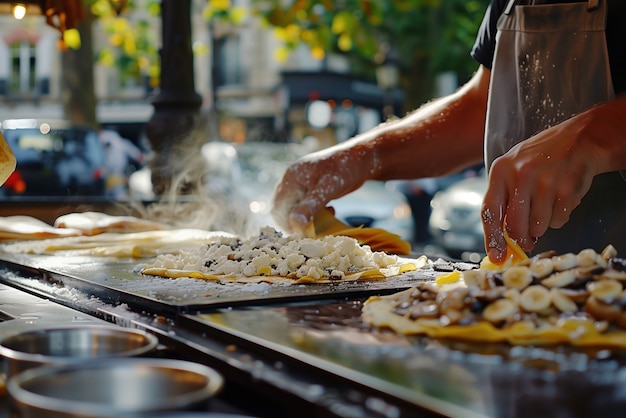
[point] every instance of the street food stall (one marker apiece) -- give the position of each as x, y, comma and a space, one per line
304, 349
300, 346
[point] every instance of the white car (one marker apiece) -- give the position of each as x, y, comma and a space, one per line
455, 221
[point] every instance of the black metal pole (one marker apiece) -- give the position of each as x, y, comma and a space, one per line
177, 104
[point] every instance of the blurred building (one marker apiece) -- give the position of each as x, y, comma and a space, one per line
256, 97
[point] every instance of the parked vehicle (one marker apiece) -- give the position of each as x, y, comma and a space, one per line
455, 221
54, 158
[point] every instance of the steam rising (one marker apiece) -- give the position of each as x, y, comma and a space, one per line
197, 196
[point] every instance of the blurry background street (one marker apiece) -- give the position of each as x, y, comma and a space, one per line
297, 75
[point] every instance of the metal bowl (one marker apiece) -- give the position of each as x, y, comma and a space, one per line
108, 388
63, 345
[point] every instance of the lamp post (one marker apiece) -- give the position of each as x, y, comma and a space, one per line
177, 105
387, 77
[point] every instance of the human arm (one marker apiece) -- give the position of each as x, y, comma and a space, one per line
540, 181
439, 138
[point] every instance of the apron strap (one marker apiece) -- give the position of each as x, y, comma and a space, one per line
511, 4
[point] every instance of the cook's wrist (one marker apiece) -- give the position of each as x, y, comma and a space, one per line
601, 129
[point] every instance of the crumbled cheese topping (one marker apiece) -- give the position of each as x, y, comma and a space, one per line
273, 254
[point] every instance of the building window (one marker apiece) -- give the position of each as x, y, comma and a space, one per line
22, 80
229, 63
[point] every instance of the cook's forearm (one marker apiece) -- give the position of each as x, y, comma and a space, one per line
602, 135
437, 139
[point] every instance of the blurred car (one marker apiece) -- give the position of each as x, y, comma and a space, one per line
248, 173
53, 158
455, 221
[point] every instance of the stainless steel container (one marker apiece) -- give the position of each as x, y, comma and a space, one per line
113, 388
63, 345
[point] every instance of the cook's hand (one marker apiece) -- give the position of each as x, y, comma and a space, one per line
534, 186
313, 181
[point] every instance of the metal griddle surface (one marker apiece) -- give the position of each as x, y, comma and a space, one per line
320, 327
450, 377
118, 280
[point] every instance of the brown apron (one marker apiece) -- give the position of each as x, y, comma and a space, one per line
550, 63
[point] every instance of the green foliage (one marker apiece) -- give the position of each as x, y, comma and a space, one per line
131, 45
428, 36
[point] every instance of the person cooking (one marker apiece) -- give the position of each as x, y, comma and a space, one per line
546, 113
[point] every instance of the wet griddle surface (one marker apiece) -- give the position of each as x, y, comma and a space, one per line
119, 280
320, 325
493, 380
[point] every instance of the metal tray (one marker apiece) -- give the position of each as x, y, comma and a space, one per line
448, 377
319, 327
117, 280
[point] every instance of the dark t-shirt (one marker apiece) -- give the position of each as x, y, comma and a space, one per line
485, 44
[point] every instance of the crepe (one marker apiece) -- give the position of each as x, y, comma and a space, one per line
549, 299
22, 228
94, 223
287, 259
268, 257
325, 223
115, 244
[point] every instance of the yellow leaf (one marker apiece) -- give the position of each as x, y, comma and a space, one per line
129, 46
301, 15
341, 22
345, 42
107, 58
101, 8
116, 39
281, 34
143, 62
154, 70
307, 36
71, 37
318, 52
238, 14
154, 8
293, 33
219, 4
281, 54
120, 24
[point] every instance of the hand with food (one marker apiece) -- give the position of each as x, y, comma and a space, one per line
539, 182
314, 180
543, 111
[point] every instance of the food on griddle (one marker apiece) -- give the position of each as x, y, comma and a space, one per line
274, 257
514, 255
22, 228
325, 223
576, 299
7, 160
114, 244
94, 223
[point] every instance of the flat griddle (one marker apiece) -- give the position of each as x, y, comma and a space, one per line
451, 377
319, 327
117, 280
